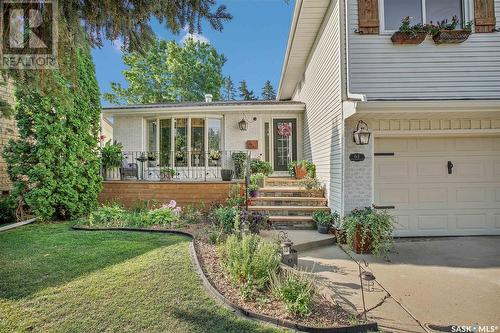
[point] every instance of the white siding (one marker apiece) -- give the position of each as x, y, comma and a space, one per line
321, 91
381, 70
128, 132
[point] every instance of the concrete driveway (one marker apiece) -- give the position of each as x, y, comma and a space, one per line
428, 285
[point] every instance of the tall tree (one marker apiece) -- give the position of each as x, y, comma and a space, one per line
228, 90
268, 92
169, 72
245, 94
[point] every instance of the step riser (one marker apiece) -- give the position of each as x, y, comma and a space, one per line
295, 226
286, 212
282, 183
304, 194
282, 202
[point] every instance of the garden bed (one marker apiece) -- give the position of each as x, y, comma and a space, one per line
325, 315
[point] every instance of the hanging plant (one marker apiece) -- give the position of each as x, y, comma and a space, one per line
408, 34
285, 129
445, 32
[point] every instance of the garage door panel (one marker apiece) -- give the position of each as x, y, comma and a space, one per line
428, 200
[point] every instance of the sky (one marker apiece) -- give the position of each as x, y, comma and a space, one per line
254, 43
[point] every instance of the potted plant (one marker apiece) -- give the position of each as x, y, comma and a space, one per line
214, 155
408, 34
447, 33
112, 157
369, 231
253, 190
323, 220
166, 173
226, 174
301, 169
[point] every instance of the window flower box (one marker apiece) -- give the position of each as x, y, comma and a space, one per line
408, 37
451, 36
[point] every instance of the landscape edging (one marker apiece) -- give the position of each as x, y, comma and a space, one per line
209, 286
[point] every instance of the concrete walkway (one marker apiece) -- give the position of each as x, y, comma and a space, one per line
433, 283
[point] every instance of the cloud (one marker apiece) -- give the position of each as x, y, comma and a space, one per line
195, 36
117, 44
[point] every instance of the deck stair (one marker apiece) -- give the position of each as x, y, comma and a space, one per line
288, 204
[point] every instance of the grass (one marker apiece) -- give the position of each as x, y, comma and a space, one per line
53, 279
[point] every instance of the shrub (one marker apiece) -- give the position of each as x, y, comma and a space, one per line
111, 155
239, 159
257, 179
234, 197
311, 183
250, 261
259, 166
225, 218
323, 217
295, 290
107, 215
192, 214
256, 221
375, 225
165, 215
7, 210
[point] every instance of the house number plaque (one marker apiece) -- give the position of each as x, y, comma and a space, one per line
357, 157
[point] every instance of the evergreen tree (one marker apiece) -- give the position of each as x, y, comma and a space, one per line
268, 92
228, 90
245, 94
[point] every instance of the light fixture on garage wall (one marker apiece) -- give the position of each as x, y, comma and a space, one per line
243, 123
361, 135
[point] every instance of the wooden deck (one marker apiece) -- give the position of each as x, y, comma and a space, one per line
185, 193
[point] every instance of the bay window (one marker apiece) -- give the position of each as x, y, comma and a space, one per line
419, 11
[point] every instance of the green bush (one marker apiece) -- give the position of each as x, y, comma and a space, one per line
309, 166
257, 180
106, 216
239, 159
322, 217
260, 166
311, 183
166, 215
225, 218
296, 290
375, 225
234, 197
250, 261
112, 155
192, 214
7, 210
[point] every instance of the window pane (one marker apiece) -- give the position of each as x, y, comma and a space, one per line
396, 10
439, 10
214, 134
180, 138
165, 145
197, 141
151, 143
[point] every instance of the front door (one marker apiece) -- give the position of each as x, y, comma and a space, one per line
284, 142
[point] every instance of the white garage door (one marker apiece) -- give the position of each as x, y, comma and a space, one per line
440, 186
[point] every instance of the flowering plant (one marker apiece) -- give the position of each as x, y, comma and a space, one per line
214, 154
284, 129
166, 214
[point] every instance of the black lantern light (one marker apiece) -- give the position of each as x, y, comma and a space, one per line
368, 280
243, 124
361, 135
289, 255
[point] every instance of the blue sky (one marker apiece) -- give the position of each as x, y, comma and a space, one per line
254, 43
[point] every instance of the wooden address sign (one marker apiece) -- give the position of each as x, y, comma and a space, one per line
252, 144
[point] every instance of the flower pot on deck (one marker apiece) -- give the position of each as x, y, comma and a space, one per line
361, 243
226, 174
112, 173
300, 172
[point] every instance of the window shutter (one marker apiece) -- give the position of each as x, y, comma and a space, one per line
484, 15
368, 17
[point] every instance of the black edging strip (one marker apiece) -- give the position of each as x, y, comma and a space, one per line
367, 327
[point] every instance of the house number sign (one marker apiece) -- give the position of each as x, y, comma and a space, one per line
357, 157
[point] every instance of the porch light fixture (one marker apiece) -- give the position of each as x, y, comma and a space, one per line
243, 124
361, 135
289, 255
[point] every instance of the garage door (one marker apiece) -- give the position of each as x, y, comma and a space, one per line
440, 186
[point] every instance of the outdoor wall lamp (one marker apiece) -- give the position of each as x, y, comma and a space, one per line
243, 123
361, 135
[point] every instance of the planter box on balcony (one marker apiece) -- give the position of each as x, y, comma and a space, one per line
408, 38
451, 36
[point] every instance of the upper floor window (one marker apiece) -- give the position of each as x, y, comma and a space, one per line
420, 11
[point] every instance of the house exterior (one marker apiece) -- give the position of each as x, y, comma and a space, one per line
433, 159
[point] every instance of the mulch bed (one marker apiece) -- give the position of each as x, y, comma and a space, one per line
325, 313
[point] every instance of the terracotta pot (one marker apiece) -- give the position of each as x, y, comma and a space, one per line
451, 36
357, 243
300, 172
408, 38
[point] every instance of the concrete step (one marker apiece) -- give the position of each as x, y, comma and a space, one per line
303, 240
289, 192
280, 222
287, 210
288, 201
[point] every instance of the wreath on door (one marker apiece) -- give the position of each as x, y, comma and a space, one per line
284, 129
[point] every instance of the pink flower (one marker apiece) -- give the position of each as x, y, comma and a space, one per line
172, 204
177, 210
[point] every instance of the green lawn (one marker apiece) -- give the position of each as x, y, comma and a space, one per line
56, 279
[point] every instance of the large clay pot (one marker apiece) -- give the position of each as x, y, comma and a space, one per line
300, 172
112, 173
357, 243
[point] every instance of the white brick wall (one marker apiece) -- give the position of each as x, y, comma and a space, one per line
358, 176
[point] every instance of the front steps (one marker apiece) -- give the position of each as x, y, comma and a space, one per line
288, 204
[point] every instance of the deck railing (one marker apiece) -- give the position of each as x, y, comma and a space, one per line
182, 165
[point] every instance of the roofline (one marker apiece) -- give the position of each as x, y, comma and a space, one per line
291, 35
429, 106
